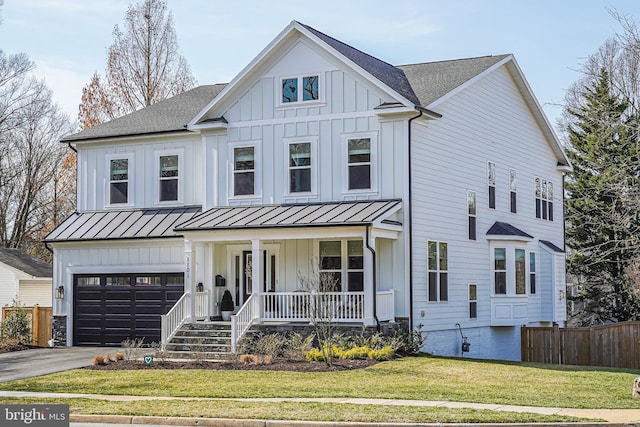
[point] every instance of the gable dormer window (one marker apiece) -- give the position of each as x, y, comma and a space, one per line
243, 171
300, 89
169, 175
118, 181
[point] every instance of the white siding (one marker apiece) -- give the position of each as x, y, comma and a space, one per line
36, 292
489, 121
8, 285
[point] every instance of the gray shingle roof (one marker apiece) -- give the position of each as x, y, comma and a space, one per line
505, 229
24, 262
432, 80
169, 115
388, 74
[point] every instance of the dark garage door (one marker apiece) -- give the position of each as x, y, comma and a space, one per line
111, 308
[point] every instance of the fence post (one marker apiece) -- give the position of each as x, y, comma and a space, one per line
555, 344
35, 324
523, 344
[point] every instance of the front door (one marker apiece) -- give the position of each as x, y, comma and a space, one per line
243, 273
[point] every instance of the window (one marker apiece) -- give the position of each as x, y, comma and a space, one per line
500, 271
473, 301
512, 190
532, 272
544, 199
331, 265
355, 265
291, 92
359, 163
521, 274
471, 211
88, 281
118, 181
491, 181
243, 171
438, 280
300, 167
169, 175
148, 280
343, 260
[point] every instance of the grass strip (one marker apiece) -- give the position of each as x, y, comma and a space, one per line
292, 411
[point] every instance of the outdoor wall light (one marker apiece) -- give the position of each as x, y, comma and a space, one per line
200, 287
562, 295
60, 292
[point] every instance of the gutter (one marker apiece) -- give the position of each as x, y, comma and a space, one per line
46, 245
420, 113
375, 284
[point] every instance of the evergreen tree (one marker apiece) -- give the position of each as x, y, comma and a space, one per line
603, 205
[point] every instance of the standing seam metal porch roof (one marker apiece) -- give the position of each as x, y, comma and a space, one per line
290, 215
122, 224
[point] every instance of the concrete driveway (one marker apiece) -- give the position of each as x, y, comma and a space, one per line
41, 361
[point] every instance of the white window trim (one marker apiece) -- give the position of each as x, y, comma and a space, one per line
515, 190
438, 271
491, 184
472, 300
156, 177
314, 167
344, 259
257, 171
130, 181
535, 273
547, 199
510, 249
300, 102
475, 215
373, 136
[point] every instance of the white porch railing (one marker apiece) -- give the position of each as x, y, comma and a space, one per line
385, 305
248, 314
296, 306
180, 312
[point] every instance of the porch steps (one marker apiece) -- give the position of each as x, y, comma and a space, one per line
201, 340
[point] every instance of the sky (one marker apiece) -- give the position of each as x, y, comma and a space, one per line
68, 39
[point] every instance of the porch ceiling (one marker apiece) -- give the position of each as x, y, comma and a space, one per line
292, 215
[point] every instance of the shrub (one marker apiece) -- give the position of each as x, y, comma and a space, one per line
98, 360
267, 360
385, 353
227, 302
353, 353
17, 325
407, 342
119, 356
297, 346
314, 355
245, 359
132, 347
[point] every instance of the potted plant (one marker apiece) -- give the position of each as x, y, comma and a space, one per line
226, 305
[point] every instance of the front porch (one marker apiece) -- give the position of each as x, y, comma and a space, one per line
263, 267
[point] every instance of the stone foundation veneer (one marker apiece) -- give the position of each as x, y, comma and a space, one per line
59, 333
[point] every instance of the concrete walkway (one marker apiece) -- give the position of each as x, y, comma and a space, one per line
610, 415
17, 365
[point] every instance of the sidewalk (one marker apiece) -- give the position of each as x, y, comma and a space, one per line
610, 415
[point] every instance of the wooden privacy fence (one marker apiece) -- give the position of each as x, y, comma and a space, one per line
41, 318
616, 346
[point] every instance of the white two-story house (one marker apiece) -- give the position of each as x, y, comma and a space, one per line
432, 192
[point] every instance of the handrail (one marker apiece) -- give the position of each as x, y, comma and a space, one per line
174, 319
243, 319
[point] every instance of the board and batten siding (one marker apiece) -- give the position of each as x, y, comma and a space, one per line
93, 172
488, 121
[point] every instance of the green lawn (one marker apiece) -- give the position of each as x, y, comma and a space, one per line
293, 411
422, 378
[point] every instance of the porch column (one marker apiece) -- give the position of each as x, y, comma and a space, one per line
257, 273
190, 277
369, 288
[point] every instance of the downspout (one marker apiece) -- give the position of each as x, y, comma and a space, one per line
46, 245
375, 286
410, 223
564, 222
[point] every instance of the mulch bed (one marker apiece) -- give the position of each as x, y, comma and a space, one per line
17, 347
275, 365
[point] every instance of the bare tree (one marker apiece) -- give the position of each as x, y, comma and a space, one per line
144, 66
322, 306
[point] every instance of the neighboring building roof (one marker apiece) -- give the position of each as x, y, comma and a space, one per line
551, 246
290, 215
432, 80
388, 74
125, 224
24, 262
504, 229
170, 115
